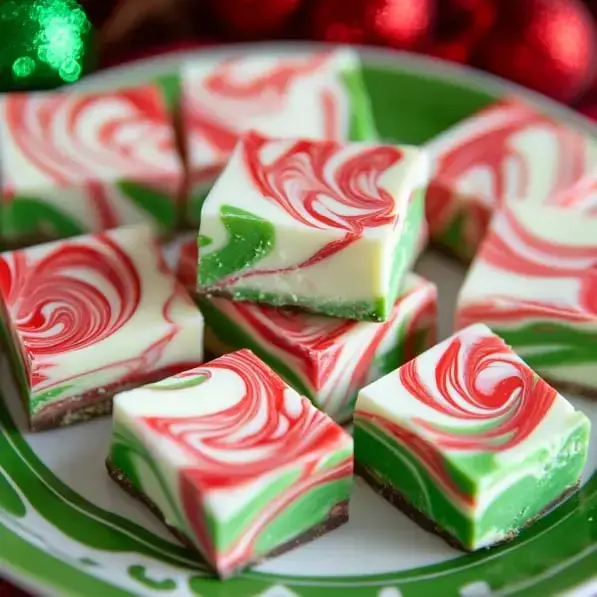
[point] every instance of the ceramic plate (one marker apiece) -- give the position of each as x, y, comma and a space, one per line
66, 529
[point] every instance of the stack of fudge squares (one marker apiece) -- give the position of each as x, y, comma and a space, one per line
295, 278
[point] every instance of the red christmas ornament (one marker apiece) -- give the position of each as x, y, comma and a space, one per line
589, 109
403, 24
547, 45
337, 21
252, 19
460, 26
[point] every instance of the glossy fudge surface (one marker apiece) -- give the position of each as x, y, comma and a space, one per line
507, 151
331, 228
236, 462
85, 162
325, 358
91, 315
534, 283
316, 95
469, 441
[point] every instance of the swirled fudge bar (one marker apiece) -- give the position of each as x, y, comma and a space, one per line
86, 317
325, 358
326, 227
469, 441
317, 95
80, 162
507, 151
534, 282
237, 464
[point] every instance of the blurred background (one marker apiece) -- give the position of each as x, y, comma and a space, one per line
546, 45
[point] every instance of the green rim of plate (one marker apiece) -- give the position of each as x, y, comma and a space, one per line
562, 546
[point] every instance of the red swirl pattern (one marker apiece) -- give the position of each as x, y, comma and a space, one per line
582, 196
218, 106
73, 296
263, 432
263, 426
322, 186
512, 247
72, 137
505, 311
88, 138
494, 151
314, 341
479, 379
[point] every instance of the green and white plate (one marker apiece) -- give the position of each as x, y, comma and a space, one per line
66, 529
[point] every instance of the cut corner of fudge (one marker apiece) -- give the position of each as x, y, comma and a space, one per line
237, 464
532, 282
468, 441
89, 316
291, 222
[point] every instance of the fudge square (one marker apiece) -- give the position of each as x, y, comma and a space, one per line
86, 317
76, 162
325, 358
507, 151
327, 227
314, 94
534, 282
468, 441
237, 464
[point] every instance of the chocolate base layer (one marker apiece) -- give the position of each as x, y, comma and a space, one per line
70, 411
337, 516
392, 495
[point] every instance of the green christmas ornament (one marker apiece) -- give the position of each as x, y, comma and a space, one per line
45, 43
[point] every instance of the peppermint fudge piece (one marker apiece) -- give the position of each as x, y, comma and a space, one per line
324, 358
469, 441
534, 282
326, 227
85, 162
237, 464
507, 151
86, 317
316, 95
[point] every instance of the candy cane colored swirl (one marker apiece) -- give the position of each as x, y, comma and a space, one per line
218, 106
72, 138
479, 381
72, 297
581, 196
513, 247
268, 427
312, 340
503, 169
325, 186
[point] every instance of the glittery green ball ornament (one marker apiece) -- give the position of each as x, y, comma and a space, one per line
44, 43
